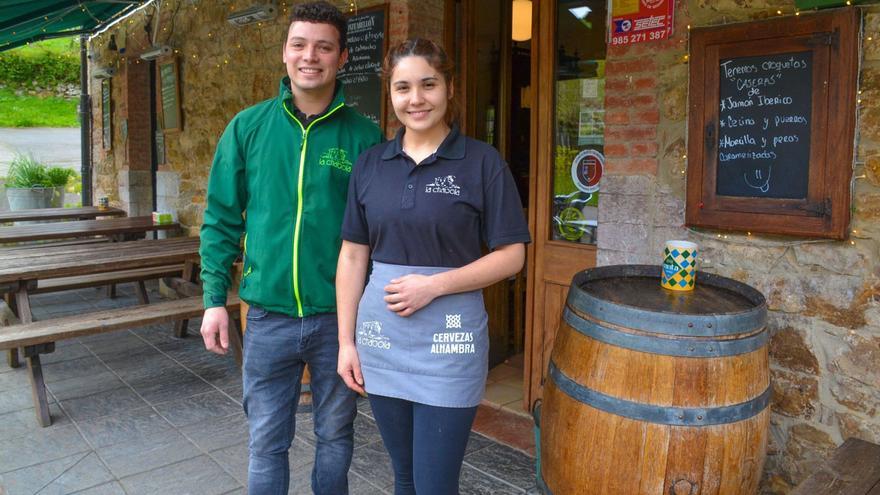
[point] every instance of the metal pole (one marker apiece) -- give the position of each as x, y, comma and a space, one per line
85, 123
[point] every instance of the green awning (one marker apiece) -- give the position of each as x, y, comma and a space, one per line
26, 21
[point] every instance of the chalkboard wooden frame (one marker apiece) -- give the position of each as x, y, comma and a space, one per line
832, 38
106, 114
169, 93
349, 88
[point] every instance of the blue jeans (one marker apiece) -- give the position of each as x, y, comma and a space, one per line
276, 348
426, 443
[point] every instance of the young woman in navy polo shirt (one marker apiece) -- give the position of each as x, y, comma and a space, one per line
420, 207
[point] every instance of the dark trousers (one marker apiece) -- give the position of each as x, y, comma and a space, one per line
426, 443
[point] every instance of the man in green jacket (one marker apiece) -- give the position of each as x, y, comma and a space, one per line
286, 162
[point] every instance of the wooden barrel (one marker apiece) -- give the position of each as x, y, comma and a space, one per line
652, 391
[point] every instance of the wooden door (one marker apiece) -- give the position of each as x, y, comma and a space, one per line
567, 134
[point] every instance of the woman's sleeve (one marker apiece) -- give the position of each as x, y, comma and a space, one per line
503, 219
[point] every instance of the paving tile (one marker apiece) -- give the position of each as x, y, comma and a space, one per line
84, 385
169, 384
363, 406
199, 475
130, 426
40, 445
233, 460
12, 378
198, 408
358, 485
148, 362
74, 368
19, 398
499, 393
65, 351
508, 428
65, 475
102, 404
163, 448
476, 442
373, 463
506, 463
112, 488
218, 433
473, 482
120, 343
21, 422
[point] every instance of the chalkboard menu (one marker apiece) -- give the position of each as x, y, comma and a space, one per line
361, 74
771, 124
169, 94
106, 115
764, 125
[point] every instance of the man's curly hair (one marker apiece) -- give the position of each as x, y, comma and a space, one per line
324, 13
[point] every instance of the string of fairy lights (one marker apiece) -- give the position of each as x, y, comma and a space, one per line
101, 42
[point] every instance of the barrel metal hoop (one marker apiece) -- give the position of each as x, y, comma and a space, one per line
664, 346
675, 416
667, 323
693, 325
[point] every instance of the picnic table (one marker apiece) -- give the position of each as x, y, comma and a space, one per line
115, 227
83, 213
21, 269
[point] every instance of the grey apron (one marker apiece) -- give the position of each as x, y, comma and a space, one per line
436, 356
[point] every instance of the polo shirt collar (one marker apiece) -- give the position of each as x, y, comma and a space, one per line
452, 147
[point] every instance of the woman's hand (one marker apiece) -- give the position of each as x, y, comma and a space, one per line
410, 293
349, 368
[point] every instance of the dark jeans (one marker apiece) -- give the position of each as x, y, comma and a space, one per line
276, 348
426, 443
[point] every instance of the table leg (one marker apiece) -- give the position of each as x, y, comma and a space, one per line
142, 292
38, 384
23, 306
189, 275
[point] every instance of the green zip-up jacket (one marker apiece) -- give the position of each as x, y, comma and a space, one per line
292, 181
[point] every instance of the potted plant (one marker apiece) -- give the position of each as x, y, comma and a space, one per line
31, 184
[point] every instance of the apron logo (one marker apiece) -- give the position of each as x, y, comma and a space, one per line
370, 335
443, 185
453, 321
453, 342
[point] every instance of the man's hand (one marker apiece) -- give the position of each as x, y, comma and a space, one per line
349, 368
215, 330
410, 293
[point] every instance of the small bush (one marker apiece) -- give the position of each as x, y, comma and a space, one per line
44, 69
25, 171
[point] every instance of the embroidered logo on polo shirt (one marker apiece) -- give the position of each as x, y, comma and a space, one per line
443, 185
336, 158
370, 335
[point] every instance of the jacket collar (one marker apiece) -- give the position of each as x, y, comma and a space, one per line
286, 96
452, 147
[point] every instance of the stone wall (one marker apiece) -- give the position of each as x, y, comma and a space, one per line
822, 295
223, 69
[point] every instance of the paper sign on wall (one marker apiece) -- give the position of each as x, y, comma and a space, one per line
634, 21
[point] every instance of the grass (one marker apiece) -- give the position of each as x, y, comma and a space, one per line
33, 111
64, 46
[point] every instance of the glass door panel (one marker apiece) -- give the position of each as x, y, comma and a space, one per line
579, 120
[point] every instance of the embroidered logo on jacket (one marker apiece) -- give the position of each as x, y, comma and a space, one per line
443, 185
453, 342
370, 335
336, 158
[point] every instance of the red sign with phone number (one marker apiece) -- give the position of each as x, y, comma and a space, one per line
634, 21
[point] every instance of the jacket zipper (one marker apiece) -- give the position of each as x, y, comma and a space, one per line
299, 199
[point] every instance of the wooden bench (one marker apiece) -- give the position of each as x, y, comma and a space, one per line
39, 337
854, 469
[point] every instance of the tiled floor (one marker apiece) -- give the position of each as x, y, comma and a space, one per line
139, 412
504, 386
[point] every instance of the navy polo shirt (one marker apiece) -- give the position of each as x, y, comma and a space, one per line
438, 213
